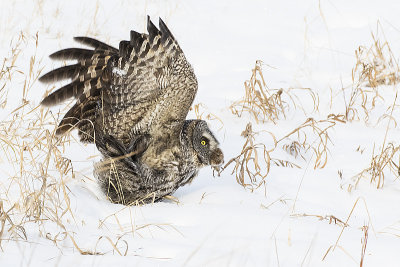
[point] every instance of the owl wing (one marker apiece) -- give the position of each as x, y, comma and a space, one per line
143, 86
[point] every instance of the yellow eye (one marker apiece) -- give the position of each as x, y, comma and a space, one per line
203, 143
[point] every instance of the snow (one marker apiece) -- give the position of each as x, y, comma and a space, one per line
217, 222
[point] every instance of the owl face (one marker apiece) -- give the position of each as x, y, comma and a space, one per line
206, 145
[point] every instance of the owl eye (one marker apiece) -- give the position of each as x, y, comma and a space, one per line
204, 141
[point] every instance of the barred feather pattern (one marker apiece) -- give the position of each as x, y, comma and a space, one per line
131, 179
147, 77
132, 102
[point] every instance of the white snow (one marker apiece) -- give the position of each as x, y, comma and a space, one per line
217, 222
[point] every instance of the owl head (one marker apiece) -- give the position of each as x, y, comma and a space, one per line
206, 145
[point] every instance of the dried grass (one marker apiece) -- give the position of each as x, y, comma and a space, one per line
364, 241
34, 188
31, 194
253, 163
330, 218
346, 223
29, 145
249, 166
201, 113
380, 165
264, 104
375, 66
8, 68
34, 191
382, 162
312, 136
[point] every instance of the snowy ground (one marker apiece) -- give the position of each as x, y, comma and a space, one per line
301, 216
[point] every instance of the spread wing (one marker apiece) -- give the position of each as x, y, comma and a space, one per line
141, 88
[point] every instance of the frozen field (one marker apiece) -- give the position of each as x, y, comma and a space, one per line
322, 189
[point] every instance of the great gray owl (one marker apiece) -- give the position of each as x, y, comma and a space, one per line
132, 103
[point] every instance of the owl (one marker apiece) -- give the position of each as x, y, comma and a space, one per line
132, 103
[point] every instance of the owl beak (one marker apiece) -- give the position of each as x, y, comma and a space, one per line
216, 157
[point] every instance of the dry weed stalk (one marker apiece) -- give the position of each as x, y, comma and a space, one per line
258, 100
35, 155
253, 162
380, 163
330, 218
8, 68
375, 66
16, 231
333, 247
319, 142
200, 115
34, 71
265, 104
284, 163
32, 189
364, 241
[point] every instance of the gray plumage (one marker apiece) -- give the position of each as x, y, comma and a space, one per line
132, 103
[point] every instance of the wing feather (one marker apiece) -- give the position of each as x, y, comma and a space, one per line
142, 86
96, 44
72, 53
62, 73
